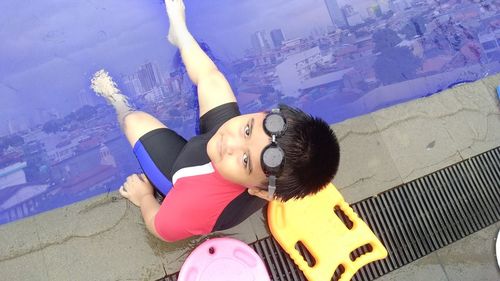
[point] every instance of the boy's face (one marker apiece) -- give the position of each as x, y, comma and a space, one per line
236, 147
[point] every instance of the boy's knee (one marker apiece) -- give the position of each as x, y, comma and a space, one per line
140, 122
132, 118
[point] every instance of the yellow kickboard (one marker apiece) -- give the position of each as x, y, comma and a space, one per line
333, 244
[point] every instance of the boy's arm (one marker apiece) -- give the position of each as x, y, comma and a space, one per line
139, 191
213, 87
149, 209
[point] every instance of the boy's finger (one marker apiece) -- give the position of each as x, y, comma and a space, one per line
144, 178
135, 177
252, 191
123, 191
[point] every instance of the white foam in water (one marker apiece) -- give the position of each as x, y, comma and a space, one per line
103, 84
105, 87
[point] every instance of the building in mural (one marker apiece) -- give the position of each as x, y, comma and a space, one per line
13, 175
490, 43
352, 16
148, 82
132, 85
296, 69
260, 41
277, 37
336, 15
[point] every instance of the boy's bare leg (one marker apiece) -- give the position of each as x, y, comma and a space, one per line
213, 87
196, 61
133, 123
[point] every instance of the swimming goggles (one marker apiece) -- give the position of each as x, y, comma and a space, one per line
272, 158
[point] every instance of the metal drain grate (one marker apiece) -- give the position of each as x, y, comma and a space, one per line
414, 219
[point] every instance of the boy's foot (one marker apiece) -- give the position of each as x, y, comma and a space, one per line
177, 18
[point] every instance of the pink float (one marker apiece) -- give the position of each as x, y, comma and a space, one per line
223, 259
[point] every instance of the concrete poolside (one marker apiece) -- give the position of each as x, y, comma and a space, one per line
104, 238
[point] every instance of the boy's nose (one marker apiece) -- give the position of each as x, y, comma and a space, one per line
233, 146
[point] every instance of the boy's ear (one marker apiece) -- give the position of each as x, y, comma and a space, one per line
263, 194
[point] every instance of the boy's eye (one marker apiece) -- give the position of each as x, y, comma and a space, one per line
245, 159
247, 130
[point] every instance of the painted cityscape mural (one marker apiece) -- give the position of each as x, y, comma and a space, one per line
338, 59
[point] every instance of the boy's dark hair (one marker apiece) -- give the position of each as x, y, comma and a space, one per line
312, 155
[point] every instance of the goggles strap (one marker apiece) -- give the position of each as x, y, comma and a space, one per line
271, 188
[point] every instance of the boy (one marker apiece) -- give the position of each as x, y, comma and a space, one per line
237, 164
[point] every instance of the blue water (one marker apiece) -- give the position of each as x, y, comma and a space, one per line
60, 144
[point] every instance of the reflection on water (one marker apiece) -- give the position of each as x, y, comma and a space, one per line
347, 60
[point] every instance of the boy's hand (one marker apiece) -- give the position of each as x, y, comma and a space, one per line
135, 188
